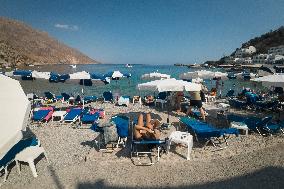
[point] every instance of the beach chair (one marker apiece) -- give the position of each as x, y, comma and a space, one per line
73, 115
108, 97
161, 98
122, 125
44, 114
78, 100
88, 99
65, 97
89, 117
123, 100
151, 148
230, 93
11, 154
204, 131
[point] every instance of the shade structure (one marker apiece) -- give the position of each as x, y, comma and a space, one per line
14, 113
155, 75
203, 74
114, 75
40, 75
169, 85
276, 80
80, 75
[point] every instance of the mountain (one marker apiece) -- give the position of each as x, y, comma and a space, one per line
267, 40
20, 44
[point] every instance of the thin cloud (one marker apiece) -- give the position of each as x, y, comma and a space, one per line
67, 27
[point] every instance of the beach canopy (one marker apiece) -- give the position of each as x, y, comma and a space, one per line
114, 75
14, 113
203, 74
80, 75
276, 80
155, 75
169, 85
40, 75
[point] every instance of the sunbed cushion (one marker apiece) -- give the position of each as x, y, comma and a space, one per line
40, 114
73, 113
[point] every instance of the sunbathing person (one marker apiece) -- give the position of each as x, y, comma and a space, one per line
148, 132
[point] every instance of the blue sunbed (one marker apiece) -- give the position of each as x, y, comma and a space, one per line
90, 118
40, 115
202, 130
73, 115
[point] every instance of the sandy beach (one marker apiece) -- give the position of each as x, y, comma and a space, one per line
250, 161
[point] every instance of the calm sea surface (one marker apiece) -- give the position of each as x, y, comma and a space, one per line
124, 86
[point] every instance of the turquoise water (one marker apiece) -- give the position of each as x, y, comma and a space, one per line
124, 86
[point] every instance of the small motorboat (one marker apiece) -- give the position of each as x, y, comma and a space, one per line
73, 65
232, 75
128, 66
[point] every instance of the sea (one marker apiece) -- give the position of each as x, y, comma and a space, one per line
124, 86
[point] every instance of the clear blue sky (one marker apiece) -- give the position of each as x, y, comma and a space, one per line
150, 31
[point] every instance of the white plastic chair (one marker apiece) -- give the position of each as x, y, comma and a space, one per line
179, 137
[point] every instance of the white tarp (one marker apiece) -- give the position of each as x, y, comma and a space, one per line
40, 75
80, 75
203, 74
169, 85
276, 80
155, 75
14, 113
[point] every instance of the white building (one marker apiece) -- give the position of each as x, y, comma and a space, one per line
276, 50
246, 60
260, 59
245, 51
275, 59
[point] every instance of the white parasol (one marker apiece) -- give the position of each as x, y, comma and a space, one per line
14, 113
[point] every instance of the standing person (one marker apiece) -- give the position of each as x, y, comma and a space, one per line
195, 100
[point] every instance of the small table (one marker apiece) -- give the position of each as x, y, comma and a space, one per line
240, 126
58, 114
181, 138
28, 155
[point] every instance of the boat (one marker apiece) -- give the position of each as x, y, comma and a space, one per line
128, 66
73, 65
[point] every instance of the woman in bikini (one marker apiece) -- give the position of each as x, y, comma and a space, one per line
148, 132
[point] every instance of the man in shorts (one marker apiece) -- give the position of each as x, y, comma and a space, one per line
195, 101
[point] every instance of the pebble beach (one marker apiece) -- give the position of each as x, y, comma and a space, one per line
75, 161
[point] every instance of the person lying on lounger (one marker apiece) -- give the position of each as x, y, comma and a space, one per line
148, 132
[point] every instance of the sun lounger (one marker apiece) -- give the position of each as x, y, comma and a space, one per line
90, 117
122, 125
204, 131
108, 97
261, 126
152, 148
88, 99
43, 114
73, 115
10, 156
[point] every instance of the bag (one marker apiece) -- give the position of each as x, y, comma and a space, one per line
110, 132
202, 96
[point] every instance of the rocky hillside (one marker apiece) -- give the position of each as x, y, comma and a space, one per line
267, 40
20, 44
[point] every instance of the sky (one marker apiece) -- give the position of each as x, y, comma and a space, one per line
150, 31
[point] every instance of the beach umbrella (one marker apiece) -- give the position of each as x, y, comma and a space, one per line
114, 75
40, 75
14, 113
169, 85
203, 74
100, 78
276, 80
155, 75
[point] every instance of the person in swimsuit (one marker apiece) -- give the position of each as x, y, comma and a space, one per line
148, 132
